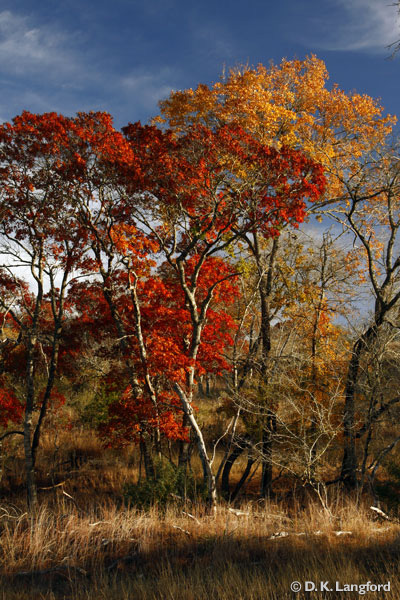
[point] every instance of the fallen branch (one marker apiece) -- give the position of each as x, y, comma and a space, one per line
52, 486
180, 529
284, 534
379, 513
191, 517
239, 513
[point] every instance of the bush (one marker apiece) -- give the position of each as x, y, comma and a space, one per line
94, 411
168, 481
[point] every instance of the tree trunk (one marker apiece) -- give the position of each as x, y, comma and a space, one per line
147, 459
208, 386
184, 447
267, 443
205, 461
28, 427
200, 386
29, 462
242, 480
232, 458
349, 463
265, 291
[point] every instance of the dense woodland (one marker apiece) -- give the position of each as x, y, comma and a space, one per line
221, 284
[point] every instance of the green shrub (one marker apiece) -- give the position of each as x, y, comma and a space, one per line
94, 411
168, 481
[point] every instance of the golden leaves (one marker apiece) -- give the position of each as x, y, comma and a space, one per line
288, 104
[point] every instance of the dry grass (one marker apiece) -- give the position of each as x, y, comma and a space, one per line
88, 546
90, 472
76, 458
119, 553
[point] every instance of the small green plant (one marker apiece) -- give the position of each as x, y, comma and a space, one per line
168, 482
94, 411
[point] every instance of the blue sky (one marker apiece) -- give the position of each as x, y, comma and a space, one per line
125, 55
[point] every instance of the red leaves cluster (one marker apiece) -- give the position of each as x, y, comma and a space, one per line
81, 192
224, 178
167, 330
132, 417
10, 408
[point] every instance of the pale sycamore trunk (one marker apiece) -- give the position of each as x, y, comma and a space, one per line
205, 460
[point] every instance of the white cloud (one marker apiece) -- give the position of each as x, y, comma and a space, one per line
49, 67
148, 88
360, 25
44, 67
26, 48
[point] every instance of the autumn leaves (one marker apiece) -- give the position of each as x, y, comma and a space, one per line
149, 228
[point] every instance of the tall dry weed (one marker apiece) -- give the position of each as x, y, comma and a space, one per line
112, 551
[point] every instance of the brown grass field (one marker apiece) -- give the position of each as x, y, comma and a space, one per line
85, 543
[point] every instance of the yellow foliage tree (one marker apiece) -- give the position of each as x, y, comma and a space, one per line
287, 104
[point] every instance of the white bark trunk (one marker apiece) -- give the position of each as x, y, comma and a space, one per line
211, 484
